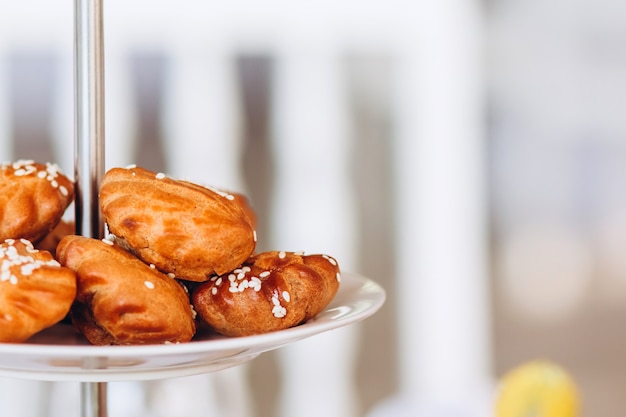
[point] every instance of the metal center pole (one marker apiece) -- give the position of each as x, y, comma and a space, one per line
93, 399
89, 150
89, 116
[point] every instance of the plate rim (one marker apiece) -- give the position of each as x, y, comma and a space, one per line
361, 297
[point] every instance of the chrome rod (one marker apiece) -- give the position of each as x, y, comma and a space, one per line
89, 149
89, 116
93, 399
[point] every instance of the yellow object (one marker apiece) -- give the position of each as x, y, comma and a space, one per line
537, 389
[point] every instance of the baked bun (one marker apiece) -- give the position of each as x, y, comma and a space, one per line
50, 241
121, 300
242, 201
33, 198
182, 228
270, 291
35, 291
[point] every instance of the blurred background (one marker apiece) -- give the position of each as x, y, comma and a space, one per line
469, 156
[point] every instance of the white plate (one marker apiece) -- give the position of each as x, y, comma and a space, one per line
59, 354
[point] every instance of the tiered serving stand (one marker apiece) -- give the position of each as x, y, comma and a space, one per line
60, 354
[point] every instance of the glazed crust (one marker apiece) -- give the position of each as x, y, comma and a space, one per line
33, 198
270, 291
180, 227
50, 241
122, 301
35, 291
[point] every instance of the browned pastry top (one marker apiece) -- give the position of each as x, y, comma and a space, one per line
33, 198
50, 241
180, 227
35, 291
270, 291
121, 300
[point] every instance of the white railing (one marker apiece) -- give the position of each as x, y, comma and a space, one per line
441, 313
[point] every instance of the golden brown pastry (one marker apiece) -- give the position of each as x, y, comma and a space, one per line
33, 198
270, 291
35, 291
182, 228
242, 201
121, 300
50, 241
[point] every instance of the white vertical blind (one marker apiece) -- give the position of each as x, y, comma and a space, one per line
312, 212
442, 282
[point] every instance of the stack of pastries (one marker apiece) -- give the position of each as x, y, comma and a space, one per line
178, 256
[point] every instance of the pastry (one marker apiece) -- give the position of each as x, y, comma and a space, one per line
33, 198
122, 301
50, 241
270, 291
182, 228
35, 291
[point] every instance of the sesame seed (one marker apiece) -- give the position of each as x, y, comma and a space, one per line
286, 296
282, 255
338, 277
107, 241
233, 289
152, 266
53, 169
27, 269
254, 235
255, 284
213, 290
63, 190
221, 193
22, 163
264, 274
131, 166
279, 311
219, 281
330, 259
172, 275
149, 284
160, 176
